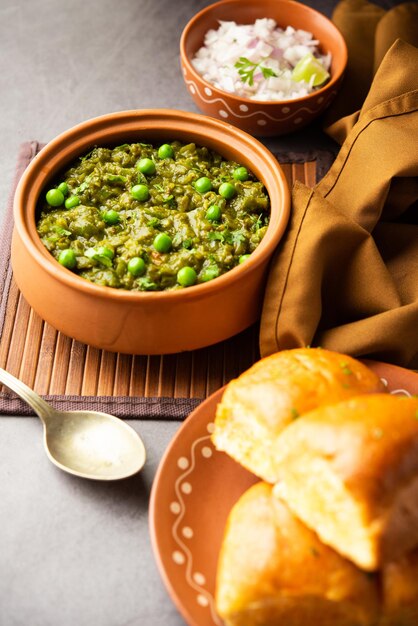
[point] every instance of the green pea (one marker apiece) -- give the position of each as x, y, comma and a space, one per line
203, 184
54, 197
162, 242
102, 254
243, 258
146, 166
105, 251
165, 151
226, 190
140, 192
63, 187
136, 266
213, 213
72, 202
67, 258
186, 276
111, 217
241, 173
209, 273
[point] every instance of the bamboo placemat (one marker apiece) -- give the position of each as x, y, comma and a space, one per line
69, 373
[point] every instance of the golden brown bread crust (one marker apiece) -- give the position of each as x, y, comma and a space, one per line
350, 472
272, 393
399, 582
273, 570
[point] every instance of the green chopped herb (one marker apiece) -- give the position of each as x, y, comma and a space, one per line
247, 68
294, 413
225, 236
170, 200
88, 155
345, 367
258, 224
238, 237
147, 285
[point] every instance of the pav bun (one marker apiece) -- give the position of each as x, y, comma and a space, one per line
275, 391
349, 471
273, 570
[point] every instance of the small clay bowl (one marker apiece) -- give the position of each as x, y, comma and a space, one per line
255, 116
144, 322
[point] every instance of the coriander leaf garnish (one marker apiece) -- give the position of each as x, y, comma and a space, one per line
187, 244
294, 413
147, 285
267, 71
345, 368
170, 200
238, 237
224, 236
247, 68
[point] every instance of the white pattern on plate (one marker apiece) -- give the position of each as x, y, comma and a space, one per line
204, 598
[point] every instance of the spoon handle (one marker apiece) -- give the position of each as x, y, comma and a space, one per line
41, 408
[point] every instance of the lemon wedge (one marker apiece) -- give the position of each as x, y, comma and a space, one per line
309, 67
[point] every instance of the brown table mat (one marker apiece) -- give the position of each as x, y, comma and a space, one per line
72, 375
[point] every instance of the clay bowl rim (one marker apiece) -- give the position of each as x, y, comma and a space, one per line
39, 172
335, 76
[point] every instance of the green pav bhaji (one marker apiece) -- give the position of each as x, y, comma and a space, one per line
147, 218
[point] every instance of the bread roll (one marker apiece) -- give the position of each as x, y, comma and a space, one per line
399, 581
257, 406
273, 571
350, 472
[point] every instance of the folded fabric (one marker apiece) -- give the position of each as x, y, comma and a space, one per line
369, 32
345, 276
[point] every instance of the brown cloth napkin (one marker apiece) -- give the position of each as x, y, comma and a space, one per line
345, 276
369, 32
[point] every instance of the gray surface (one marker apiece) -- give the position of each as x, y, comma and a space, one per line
74, 552
65, 62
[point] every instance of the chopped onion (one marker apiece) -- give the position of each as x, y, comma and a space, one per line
256, 60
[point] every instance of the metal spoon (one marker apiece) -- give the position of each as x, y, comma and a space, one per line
84, 443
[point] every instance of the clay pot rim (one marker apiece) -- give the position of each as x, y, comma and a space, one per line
335, 76
72, 142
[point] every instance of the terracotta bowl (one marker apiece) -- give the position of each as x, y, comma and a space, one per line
255, 116
144, 322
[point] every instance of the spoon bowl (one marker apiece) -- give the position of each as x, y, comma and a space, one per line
88, 444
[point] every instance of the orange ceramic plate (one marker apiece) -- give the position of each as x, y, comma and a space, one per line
193, 492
